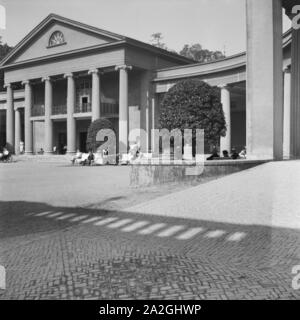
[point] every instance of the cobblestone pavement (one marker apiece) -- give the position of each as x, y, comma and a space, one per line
71, 252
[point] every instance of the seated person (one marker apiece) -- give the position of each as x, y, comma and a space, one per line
243, 153
214, 154
6, 154
225, 154
90, 158
234, 154
41, 151
77, 156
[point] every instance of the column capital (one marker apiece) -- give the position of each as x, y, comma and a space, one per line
91, 71
68, 75
287, 69
46, 79
7, 85
223, 86
123, 67
25, 82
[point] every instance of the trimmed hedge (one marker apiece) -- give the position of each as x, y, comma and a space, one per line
93, 129
194, 104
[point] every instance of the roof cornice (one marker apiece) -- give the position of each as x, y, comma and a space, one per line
66, 54
54, 17
115, 37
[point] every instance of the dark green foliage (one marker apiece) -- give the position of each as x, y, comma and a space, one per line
197, 53
194, 104
93, 129
4, 50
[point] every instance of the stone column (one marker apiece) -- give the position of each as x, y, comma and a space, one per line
225, 142
48, 110
287, 114
295, 95
17, 131
71, 122
95, 94
27, 115
264, 109
9, 115
123, 108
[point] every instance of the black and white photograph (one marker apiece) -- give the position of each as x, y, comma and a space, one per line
149, 150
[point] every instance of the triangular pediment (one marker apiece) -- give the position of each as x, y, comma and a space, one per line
68, 35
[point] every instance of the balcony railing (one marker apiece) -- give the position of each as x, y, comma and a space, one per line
109, 108
85, 107
37, 110
61, 109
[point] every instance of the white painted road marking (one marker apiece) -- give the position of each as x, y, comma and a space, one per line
55, 214
119, 223
105, 221
91, 220
135, 226
237, 236
214, 234
78, 218
66, 216
152, 228
189, 233
170, 231
43, 213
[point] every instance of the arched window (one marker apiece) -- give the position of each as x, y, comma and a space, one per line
56, 39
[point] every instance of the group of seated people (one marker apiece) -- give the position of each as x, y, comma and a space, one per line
90, 158
234, 155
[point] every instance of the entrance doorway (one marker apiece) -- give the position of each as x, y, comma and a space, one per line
62, 142
82, 141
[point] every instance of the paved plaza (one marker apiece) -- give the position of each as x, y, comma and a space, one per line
83, 233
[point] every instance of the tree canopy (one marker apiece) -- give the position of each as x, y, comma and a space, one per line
4, 50
194, 104
196, 52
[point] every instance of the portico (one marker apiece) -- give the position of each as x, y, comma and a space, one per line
66, 84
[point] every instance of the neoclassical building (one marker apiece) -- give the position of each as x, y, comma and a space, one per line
73, 73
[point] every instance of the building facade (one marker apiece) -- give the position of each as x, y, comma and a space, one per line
73, 74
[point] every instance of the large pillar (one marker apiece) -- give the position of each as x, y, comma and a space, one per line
17, 131
27, 115
225, 142
264, 79
123, 108
9, 116
48, 110
287, 114
95, 94
71, 122
295, 94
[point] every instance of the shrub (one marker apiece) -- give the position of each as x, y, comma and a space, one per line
194, 104
93, 129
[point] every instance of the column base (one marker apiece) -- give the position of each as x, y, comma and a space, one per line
28, 152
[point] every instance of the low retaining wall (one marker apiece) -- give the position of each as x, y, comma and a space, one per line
152, 174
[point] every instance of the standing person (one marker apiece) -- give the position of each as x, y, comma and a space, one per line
21, 147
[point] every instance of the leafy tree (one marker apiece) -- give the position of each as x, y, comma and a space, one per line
194, 104
4, 50
156, 40
197, 53
93, 129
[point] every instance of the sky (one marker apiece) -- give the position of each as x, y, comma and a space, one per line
215, 24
